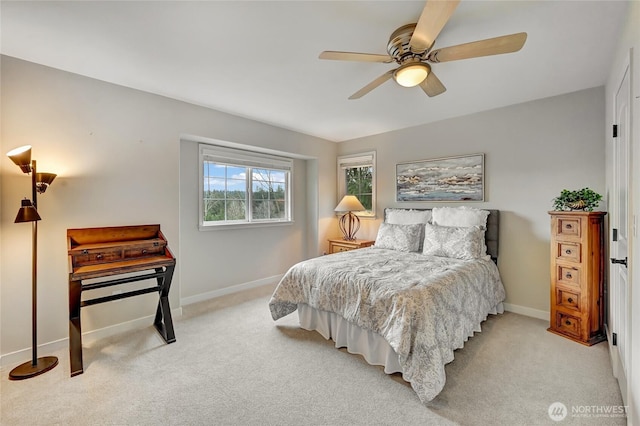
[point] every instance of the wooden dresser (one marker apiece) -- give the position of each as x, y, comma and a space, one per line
337, 245
577, 276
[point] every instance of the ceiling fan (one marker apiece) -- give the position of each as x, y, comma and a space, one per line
411, 47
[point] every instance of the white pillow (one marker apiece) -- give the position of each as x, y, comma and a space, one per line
399, 237
459, 216
459, 242
407, 217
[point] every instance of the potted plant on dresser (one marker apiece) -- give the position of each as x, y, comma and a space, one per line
584, 199
577, 267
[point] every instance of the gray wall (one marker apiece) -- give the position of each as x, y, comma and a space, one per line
117, 153
532, 151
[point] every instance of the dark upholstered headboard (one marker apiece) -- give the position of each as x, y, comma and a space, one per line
491, 235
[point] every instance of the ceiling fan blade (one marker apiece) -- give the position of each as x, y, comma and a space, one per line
352, 56
432, 85
375, 83
433, 18
491, 46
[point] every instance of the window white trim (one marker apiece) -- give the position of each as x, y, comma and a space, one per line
239, 157
362, 159
250, 160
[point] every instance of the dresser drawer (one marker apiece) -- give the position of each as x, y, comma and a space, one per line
568, 324
568, 275
568, 251
569, 227
569, 299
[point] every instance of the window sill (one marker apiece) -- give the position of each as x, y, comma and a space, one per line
230, 226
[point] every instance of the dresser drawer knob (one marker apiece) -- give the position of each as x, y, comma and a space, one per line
99, 256
570, 300
567, 322
144, 251
568, 226
568, 251
569, 276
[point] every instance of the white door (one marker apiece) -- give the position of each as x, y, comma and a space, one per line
618, 303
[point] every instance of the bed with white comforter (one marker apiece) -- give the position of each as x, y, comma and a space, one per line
423, 306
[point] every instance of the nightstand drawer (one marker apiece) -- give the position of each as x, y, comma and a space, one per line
568, 299
337, 248
568, 275
337, 245
568, 324
568, 251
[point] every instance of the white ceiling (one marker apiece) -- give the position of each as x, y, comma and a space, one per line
260, 59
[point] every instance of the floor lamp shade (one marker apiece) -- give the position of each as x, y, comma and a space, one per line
43, 180
27, 213
349, 223
21, 157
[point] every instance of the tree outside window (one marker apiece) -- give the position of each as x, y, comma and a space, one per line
359, 183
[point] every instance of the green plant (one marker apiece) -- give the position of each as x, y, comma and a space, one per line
583, 199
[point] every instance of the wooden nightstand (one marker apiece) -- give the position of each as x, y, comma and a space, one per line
338, 245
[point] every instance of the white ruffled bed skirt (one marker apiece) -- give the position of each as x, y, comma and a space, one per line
372, 346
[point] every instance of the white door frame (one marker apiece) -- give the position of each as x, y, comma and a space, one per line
633, 206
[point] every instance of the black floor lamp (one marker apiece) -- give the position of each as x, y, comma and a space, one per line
28, 213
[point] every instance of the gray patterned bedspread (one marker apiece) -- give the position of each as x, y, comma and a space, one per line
425, 307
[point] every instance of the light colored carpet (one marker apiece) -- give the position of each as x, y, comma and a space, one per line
233, 365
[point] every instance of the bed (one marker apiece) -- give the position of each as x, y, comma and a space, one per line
410, 300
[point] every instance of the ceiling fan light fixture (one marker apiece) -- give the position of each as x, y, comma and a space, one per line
412, 74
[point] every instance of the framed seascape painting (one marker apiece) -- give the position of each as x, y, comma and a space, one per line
441, 179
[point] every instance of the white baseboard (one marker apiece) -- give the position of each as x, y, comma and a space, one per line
529, 312
44, 349
229, 290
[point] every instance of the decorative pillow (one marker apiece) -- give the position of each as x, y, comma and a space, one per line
399, 237
407, 217
459, 242
459, 216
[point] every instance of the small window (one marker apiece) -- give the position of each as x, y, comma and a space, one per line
243, 187
356, 176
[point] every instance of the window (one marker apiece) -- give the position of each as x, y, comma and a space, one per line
243, 187
356, 176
